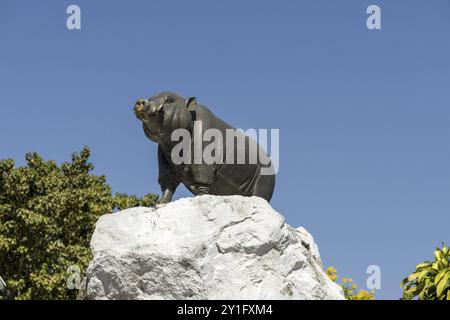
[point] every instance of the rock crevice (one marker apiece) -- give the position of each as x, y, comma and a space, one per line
207, 247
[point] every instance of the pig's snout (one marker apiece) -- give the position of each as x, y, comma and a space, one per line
141, 108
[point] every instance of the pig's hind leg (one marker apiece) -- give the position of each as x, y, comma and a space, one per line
264, 186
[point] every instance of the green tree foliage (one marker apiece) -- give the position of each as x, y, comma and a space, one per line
431, 280
47, 216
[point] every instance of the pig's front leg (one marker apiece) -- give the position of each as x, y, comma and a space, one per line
203, 177
167, 179
166, 197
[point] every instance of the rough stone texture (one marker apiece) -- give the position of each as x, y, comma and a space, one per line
206, 247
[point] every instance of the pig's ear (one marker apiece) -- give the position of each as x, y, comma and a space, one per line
191, 104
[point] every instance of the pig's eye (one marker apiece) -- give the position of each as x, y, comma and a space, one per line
169, 100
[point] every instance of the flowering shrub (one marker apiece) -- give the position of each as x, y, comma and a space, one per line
350, 288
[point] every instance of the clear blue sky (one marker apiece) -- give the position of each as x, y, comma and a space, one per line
364, 116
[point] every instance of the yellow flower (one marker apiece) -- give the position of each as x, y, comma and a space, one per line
332, 273
331, 270
364, 295
350, 288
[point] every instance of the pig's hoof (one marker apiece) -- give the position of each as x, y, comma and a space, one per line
160, 205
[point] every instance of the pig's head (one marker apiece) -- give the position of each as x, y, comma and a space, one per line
163, 113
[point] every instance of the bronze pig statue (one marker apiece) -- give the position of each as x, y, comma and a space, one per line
232, 174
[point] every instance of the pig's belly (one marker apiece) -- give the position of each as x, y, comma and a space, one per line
236, 179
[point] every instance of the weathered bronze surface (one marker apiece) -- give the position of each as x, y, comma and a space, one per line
166, 112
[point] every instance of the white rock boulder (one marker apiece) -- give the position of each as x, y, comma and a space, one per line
206, 247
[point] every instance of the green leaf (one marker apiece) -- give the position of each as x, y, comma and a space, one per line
410, 278
438, 254
439, 276
443, 284
412, 292
423, 265
426, 274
